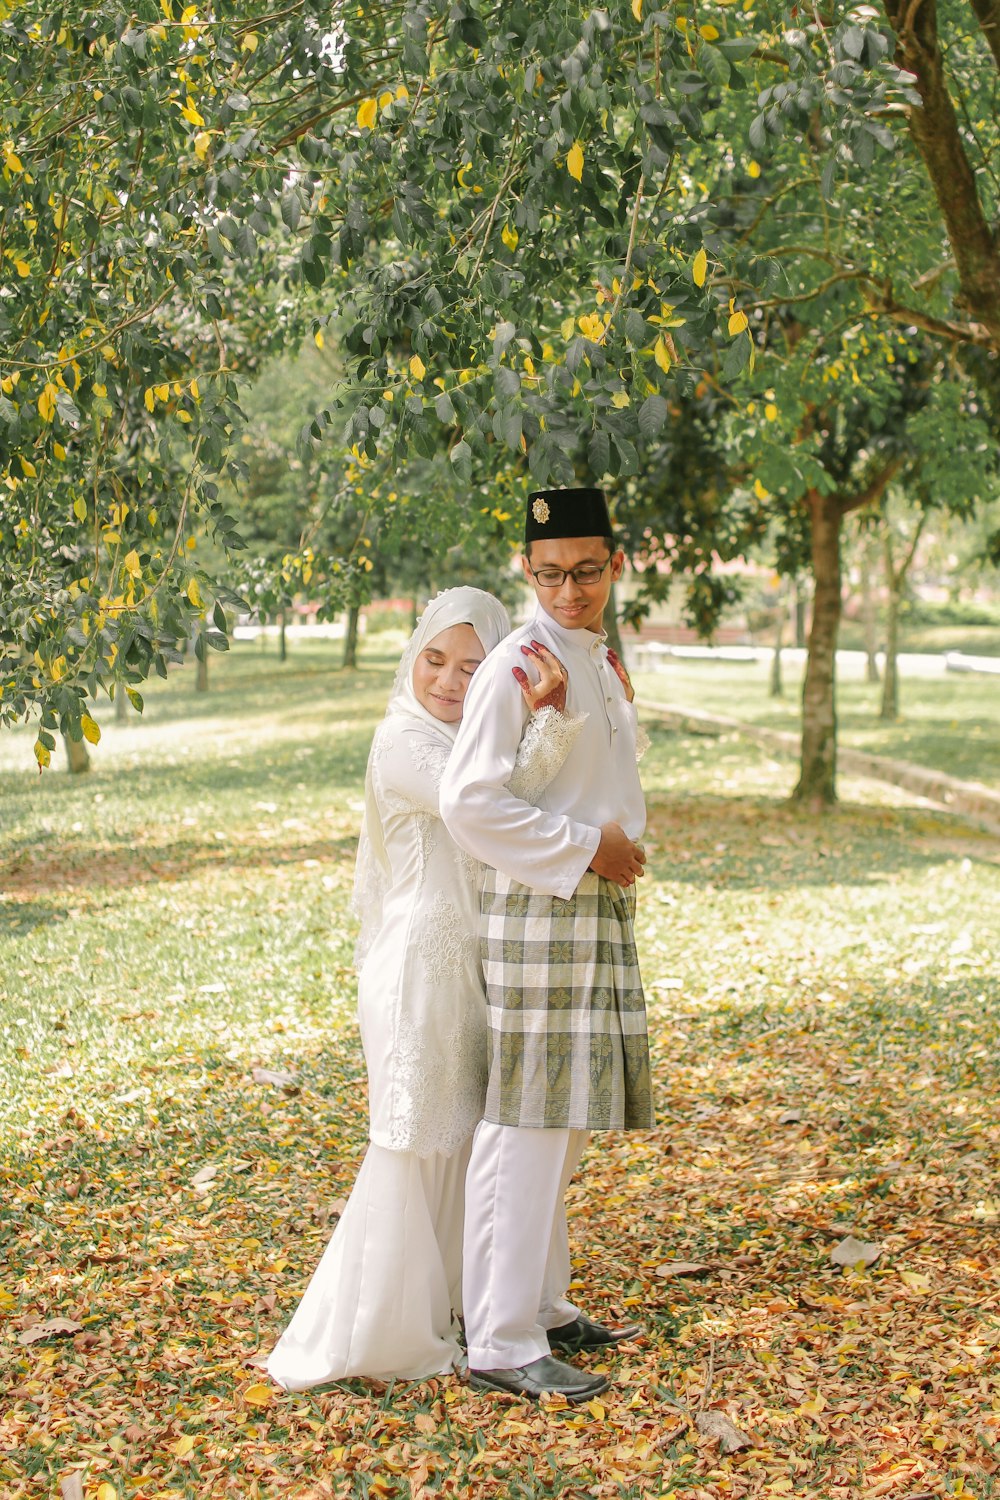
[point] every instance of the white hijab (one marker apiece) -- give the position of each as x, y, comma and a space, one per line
490, 621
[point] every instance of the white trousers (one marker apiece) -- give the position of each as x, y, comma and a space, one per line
516, 1247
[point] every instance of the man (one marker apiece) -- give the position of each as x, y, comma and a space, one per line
567, 1020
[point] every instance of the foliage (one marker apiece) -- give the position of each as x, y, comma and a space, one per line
194, 927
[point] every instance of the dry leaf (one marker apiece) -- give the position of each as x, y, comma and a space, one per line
790, 1117
714, 1425
71, 1488
682, 1268
258, 1395
48, 1330
203, 1175
852, 1252
276, 1078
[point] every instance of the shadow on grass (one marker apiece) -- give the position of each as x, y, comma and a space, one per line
764, 844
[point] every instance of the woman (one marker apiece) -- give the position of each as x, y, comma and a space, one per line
385, 1297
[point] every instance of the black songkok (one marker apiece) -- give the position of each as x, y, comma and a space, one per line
565, 513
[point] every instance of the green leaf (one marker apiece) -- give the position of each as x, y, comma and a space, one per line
652, 416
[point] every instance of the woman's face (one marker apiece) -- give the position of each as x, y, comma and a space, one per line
443, 670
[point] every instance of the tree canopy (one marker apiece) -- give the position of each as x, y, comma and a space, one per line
531, 230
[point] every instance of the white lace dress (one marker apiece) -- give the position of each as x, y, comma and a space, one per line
384, 1299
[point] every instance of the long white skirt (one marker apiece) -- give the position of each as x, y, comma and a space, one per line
384, 1299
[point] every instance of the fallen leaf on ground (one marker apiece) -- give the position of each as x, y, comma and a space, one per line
714, 1425
203, 1175
49, 1330
852, 1252
275, 1077
682, 1268
71, 1488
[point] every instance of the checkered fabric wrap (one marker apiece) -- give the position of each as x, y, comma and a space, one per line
567, 1019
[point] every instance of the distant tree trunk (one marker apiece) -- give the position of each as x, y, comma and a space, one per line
77, 756
868, 619
201, 655
121, 704
779, 640
282, 640
817, 784
611, 626
414, 614
895, 577
351, 637
800, 614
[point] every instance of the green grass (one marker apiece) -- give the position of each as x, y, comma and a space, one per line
949, 723
181, 917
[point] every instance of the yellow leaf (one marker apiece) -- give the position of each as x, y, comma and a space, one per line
760, 491
637, 9
318, 338
574, 161
258, 1395
22, 268
417, 367
699, 268
149, 399
132, 564
106, 1491
567, 326
12, 161
620, 399
509, 237
194, 594
80, 508
737, 323
28, 469
91, 733
162, 392
183, 1446
59, 669
191, 114
384, 100
770, 411
710, 33
596, 1410
753, 169
41, 755
249, 42
202, 141
367, 111
662, 355
47, 402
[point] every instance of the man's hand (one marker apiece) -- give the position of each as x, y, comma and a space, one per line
550, 689
618, 667
618, 857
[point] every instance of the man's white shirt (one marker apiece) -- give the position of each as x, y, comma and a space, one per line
546, 847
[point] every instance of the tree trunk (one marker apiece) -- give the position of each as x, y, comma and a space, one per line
351, 637
414, 615
121, 704
800, 615
282, 638
868, 620
201, 656
610, 623
890, 684
817, 784
77, 756
779, 640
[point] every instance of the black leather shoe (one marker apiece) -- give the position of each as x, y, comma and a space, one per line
545, 1374
584, 1333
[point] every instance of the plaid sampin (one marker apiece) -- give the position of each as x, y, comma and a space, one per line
567, 1019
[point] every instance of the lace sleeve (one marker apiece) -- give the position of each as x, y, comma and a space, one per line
548, 738
642, 742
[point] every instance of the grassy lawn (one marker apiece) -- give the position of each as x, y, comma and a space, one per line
949, 722
824, 1001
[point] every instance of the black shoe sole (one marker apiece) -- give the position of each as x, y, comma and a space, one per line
480, 1383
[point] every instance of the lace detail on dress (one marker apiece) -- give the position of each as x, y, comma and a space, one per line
429, 757
444, 944
548, 738
642, 742
470, 868
440, 1091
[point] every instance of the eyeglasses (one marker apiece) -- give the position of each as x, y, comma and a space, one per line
554, 578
